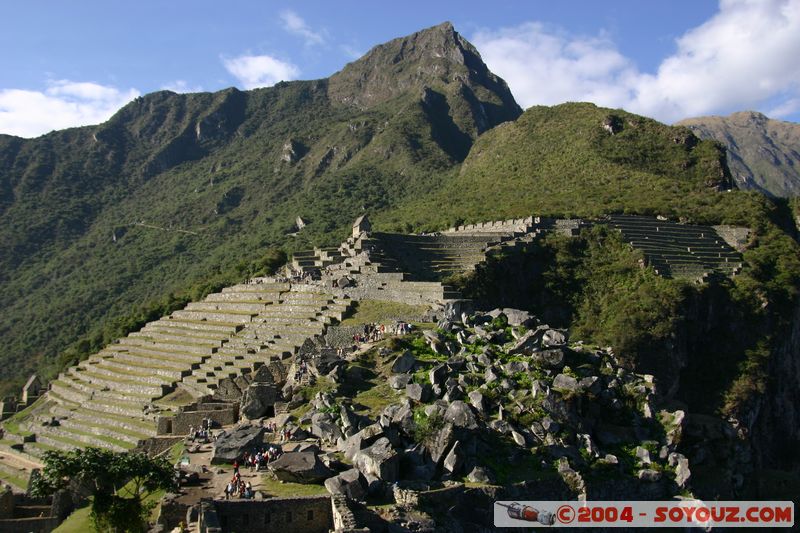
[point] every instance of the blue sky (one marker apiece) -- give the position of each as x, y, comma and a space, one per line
74, 63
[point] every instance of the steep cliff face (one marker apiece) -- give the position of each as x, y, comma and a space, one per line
773, 423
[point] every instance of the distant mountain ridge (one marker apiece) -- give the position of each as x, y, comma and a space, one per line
763, 153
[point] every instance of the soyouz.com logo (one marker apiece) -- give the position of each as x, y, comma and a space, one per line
683, 513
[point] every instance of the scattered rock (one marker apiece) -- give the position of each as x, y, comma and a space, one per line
517, 317
442, 442
649, 475
681, 465
477, 401
643, 455
554, 337
322, 426
527, 343
361, 440
437, 375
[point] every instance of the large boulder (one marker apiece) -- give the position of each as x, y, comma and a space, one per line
550, 358
554, 337
565, 383
379, 460
323, 426
518, 317
399, 381
441, 442
404, 363
460, 415
350, 483
227, 391
231, 446
454, 460
418, 393
300, 467
257, 399
361, 440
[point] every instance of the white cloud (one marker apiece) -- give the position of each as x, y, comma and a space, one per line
785, 108
544, 66
744, 57
182, 86
295, 24
62, 104
260, 71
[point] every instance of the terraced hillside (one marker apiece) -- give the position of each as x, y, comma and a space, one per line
108, 399
678, 250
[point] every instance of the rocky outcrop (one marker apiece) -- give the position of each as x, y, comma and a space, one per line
230, 446
299, 467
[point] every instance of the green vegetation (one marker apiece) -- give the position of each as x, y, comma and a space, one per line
373, 311
123, 486
279, 489
78, 522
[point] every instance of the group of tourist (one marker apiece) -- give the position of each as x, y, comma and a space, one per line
301, 370
255, 461
259, 459
203, 434
376, 332
237, 487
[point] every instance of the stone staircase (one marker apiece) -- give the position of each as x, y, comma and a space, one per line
107, 400
678, 250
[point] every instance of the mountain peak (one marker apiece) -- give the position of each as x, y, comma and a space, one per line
436, 58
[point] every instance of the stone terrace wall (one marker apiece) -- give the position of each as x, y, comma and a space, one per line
310, 514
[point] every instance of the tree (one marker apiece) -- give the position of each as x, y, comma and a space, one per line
119, 484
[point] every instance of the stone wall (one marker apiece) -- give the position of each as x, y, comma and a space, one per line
222, 414
288, 515
342, 336
158, 445
415, 498
344, 520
